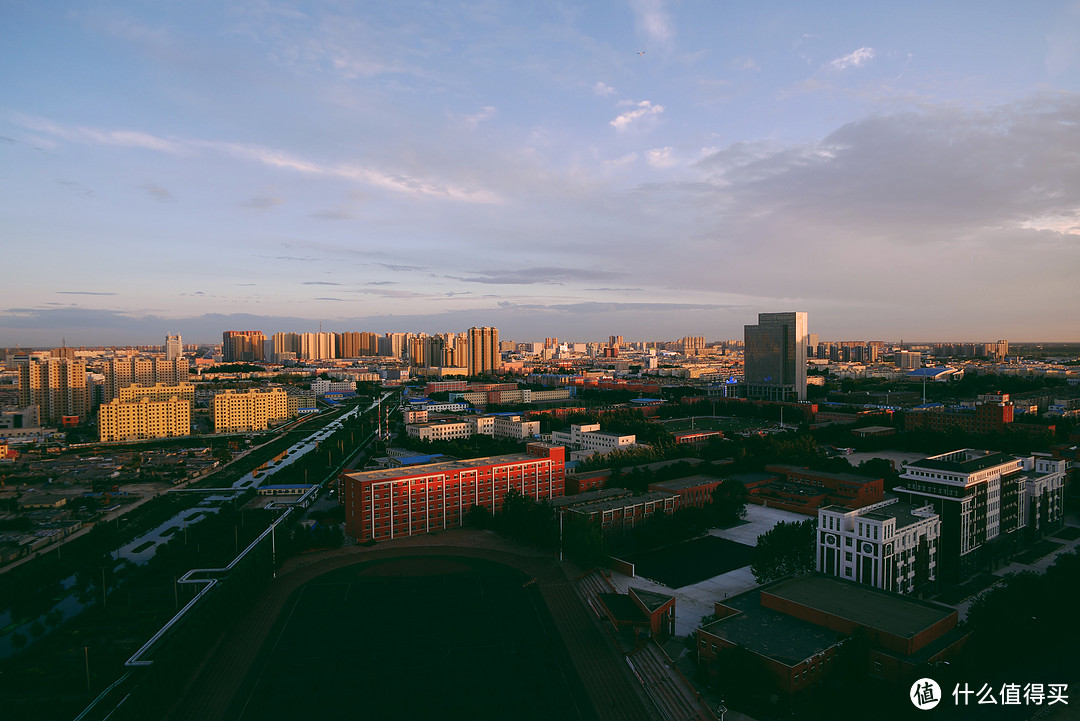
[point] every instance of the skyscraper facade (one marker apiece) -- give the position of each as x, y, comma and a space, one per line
775, 357
174, 347
242, 345
484, 356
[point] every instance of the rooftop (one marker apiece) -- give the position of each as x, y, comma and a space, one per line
867, 606
444, 467
679, 484
771, 633
964, 461
623, 502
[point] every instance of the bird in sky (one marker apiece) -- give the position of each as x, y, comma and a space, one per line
642, 52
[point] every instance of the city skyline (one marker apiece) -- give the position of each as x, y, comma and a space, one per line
398, 168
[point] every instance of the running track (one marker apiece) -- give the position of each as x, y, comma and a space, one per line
603, 671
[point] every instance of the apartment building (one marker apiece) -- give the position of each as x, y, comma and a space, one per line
144, 418
57, 386
253, 410
142, 371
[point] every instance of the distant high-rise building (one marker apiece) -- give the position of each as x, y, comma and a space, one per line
317, 346
174, 347
484, 356
242, 345
123, 372
57, 386
615, 340
775, 356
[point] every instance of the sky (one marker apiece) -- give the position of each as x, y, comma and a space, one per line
647, 168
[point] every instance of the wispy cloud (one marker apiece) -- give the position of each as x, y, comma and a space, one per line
486, 113
661, 158
271, 157
603, 90
261, 202
78, 188
319, 282
653, 21
530, 276
82, 292
854, 60
643, 109
158, 193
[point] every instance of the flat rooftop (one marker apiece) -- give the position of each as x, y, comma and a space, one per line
971, 462
867, 606
600, 494
679, 484
771, 633
904, 513
442, 467
614, 503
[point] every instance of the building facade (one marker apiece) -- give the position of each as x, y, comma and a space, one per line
57, 386
484, 356
411, 500
889, 545
588, 437
775, 357
174, 347
141, 371
142, 419
253, 410
242, 345
982, 498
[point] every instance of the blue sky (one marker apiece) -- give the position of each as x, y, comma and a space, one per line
646, 168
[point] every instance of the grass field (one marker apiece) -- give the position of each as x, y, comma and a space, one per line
411, 638
715, 423
691, 561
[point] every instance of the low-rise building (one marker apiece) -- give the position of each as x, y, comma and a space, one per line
588, 437
617, 510
794, 629
693, 491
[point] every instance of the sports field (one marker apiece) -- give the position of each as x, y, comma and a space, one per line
412, 638
691, 561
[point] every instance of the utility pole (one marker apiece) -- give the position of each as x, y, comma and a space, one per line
86, 657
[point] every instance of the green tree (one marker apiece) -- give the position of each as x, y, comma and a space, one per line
729, 502
786, 550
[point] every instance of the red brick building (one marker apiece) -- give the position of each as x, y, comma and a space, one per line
794, 628
693, 491
804, 490
407, 501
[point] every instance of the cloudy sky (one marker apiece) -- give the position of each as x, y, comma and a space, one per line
646, 168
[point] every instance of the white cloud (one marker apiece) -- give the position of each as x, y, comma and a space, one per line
660, 158
272, 157
603, 89
486, 113
643, 109
652, 21
856, 59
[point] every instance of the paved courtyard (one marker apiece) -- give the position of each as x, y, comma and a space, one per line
697, 600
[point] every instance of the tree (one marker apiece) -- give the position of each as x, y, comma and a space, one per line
729, 502
786, 550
